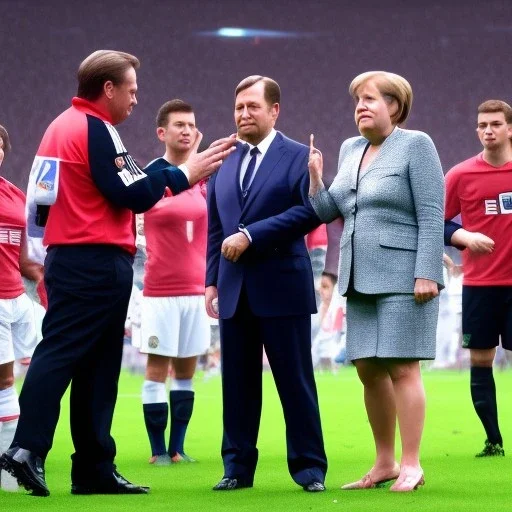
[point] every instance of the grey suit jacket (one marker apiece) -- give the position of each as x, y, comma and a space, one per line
393, 217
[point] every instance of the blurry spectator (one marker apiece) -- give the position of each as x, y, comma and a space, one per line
133, 360
331, 320
449, 325
316, 243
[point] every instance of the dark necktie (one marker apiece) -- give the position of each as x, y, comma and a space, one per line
246, 182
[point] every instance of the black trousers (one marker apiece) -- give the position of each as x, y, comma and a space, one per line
287, 342
89, 288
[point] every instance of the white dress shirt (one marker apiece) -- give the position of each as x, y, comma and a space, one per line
262, 148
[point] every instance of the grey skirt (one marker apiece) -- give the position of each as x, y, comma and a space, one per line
390, 325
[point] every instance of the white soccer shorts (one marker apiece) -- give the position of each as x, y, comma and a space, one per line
174, 326
17, 329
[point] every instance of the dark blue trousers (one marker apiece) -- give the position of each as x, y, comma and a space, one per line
89, 288
287, 342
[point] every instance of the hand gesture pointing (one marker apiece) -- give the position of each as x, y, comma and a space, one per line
315, 162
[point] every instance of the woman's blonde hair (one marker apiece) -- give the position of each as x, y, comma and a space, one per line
391, 86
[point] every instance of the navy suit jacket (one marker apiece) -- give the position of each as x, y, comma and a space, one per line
275, 269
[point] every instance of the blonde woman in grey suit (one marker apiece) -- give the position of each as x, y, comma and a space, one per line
389, 191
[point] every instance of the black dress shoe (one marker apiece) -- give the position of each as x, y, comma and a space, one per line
27, 468
314, 487
230, 484
118, 485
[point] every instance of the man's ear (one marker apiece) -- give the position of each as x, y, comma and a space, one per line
160, 133
108, 89
275, 110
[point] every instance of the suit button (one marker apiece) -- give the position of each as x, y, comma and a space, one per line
241, 226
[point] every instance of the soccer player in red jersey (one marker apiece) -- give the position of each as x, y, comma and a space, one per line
174, 326
17, 321
480, 190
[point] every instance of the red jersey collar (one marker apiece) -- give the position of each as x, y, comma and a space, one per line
92, 108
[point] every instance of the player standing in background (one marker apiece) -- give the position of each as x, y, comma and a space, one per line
17, 320
480, 189
174, 326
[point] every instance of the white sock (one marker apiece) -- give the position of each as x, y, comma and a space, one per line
181, 385
153, 392
9, 406
7, 430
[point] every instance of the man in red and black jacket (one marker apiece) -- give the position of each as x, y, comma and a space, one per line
85, 187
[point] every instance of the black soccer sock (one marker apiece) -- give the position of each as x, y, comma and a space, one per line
182, 404
155, 418
483, 394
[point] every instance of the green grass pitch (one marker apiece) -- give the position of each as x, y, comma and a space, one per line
455, 480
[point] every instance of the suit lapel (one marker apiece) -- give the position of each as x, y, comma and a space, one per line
228, 179
272, 157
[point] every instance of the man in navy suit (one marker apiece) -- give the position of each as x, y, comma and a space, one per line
259, 283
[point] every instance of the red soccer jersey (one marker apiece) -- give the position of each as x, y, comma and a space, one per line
12, 231
482, 194
176, 232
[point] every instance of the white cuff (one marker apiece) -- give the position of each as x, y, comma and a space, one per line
246, 233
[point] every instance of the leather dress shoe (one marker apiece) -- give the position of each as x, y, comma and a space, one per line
230, 484
314, 487
27, 468
118, 485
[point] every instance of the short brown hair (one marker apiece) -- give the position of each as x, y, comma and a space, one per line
496, 106
391, 86
100, 67
5, 138
272, 91
176, 105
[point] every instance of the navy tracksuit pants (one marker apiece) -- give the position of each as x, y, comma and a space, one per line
89, 288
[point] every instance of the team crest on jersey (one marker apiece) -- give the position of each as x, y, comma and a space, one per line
502, 205
153, 342
119, 161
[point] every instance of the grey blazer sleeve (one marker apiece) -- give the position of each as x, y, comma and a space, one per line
427, 185
323, 203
